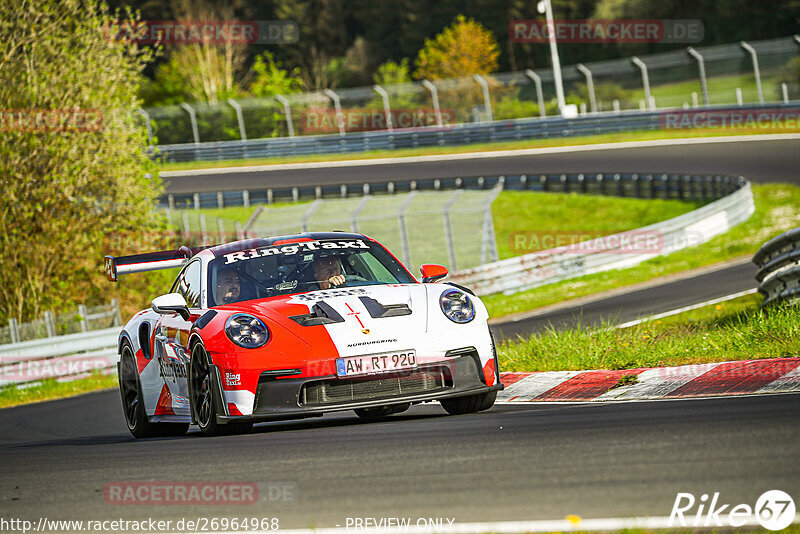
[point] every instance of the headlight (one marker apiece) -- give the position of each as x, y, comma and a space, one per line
246, 331
457, 306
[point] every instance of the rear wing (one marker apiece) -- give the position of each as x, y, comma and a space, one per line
150, 261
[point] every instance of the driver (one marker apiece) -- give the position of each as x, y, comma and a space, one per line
328, 271
227, 286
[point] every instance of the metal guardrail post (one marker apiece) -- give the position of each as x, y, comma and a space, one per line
83, 313
354, 216
338, 106
739, 98
448, 230
401, 222
116, 312
387, 110
785, 92
756, 71
220, 200
488, 241
147, 125
185, 220
487, 101
308, 214
196, 198
239, 231
287, 112
50, 323
435, 98
220, 230
203, 232
645, 80
701, 68
589, 85
537, 81
239, 118
13, 328
193, 118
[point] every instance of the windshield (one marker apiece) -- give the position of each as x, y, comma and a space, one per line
300, 267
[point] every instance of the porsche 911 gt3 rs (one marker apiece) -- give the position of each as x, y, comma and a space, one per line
298, 326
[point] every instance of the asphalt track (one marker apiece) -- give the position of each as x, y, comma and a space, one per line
514, 462
758, 160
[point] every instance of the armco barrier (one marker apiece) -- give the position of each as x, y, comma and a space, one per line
460, 134
60, 356
612, 252
778, 263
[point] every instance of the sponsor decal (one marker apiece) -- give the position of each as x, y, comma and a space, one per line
233, 379
375, 342
293, 249
325, 294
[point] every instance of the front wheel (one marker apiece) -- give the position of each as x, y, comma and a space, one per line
470, 403
202, 385
133, 406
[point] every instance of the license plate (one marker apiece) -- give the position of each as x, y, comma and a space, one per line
376, 363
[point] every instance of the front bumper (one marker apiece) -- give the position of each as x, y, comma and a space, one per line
294, 398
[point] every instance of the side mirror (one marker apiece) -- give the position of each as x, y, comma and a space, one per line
171, 303
432, 272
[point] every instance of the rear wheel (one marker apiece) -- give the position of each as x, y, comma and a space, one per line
133, 406
469, 403
381, 411
202, 385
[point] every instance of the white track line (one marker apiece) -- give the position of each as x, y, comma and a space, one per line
482, 155
558, 525
686, 308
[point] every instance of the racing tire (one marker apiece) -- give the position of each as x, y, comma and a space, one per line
130, 390
204, 406
469, 403
381, 411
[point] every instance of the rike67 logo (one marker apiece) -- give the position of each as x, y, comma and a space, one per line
774, 510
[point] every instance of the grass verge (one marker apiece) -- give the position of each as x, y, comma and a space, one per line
777, 209
53, 389
482, 147
734, 330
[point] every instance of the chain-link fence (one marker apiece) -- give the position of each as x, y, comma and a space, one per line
740, 73
84, 319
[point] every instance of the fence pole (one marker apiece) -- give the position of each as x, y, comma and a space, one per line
239, 231
739, 99
117, 313
338, 106
185, 219
193, 118
401, 221
387, 110
13, 327
50, 323
756, 70
537, 81
83, 312
221, 230
645, 80
435, 98
239, 118
448, 231
354, 216
196, 198
488, 241
287, 111
203, 233
220, 200
147, 125
308, 214
701, 68
785, 92
246, 198
487, 102
589, 85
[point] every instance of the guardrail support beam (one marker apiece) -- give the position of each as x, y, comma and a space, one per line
701, 68
645, 81
589, 85
537, 81
487, 101
239, 118
287, 112
435, 98
338, 106
386, 109
193, 118
756, 71
147, 125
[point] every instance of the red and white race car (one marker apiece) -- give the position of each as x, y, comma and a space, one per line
297, 326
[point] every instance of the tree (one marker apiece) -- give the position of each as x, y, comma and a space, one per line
73, 159
390, 73
271, 79
462, 49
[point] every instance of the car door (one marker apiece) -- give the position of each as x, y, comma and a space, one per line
171, 340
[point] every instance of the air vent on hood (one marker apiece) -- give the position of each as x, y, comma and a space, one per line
378, 310
321, 313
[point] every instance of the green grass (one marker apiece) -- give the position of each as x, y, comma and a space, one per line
53, 389
735, 330
777, 209
461, 149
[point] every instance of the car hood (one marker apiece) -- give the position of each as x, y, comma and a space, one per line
358, 320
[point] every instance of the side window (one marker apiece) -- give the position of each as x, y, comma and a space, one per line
189, 284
